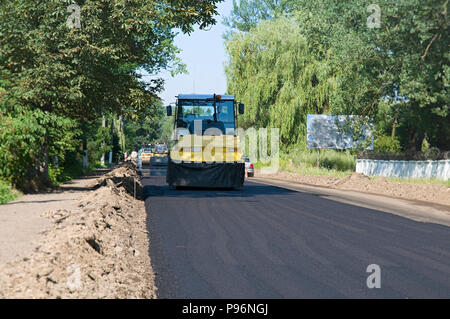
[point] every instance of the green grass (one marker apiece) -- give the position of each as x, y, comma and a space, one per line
7, 193
328, 159
331, 163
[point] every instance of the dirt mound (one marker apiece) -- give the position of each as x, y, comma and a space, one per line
354, 178
301, 178
99, 250
125, 176
433, 193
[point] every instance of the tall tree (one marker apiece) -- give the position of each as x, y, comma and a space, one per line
397, 51
246, 14
272, 70
51, 63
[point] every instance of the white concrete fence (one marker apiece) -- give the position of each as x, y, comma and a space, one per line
405, 169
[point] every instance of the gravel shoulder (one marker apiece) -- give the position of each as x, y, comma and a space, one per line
428, 193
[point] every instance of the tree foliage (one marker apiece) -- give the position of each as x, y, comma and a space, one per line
273, 72
23, 136
56, 79
246, 14
396, 74
83, 72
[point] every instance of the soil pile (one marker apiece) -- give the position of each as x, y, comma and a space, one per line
354, 178
125, 176
99, 250
433, 193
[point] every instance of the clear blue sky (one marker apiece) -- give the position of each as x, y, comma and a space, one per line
203, 52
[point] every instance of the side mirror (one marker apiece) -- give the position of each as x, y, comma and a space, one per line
169, 110
241, 108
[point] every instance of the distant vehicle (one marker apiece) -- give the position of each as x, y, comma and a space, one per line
160, 155
146, 155
249, 167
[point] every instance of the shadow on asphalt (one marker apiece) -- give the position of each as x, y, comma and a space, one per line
147, 171
158, 187
247, 191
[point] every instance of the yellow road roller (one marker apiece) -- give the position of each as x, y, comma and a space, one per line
160, 155
206, 151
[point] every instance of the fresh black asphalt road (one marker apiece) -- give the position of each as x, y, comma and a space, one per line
269, 242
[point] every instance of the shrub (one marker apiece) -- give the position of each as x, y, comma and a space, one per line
387, 144
329, 159
7, 193
54, 174
25, 135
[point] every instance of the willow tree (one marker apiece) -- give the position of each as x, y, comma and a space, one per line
271, 69
391, 60
246, 14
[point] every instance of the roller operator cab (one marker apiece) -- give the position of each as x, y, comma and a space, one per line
206, 151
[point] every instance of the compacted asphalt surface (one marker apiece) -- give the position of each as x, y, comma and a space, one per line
265, 241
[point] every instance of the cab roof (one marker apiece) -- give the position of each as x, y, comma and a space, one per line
203, 96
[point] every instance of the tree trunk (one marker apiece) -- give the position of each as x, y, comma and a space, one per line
102, 159
43, 166
85, 154
394, 124
120, 133
112, 141
85, 150
414, 141
416, 130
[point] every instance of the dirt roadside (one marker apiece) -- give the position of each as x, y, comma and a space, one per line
433, 193
22, 222
96, 246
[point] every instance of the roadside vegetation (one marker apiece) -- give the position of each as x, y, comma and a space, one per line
312, 162
324, 159
71, 95
291, 58
7, 193
60, 175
